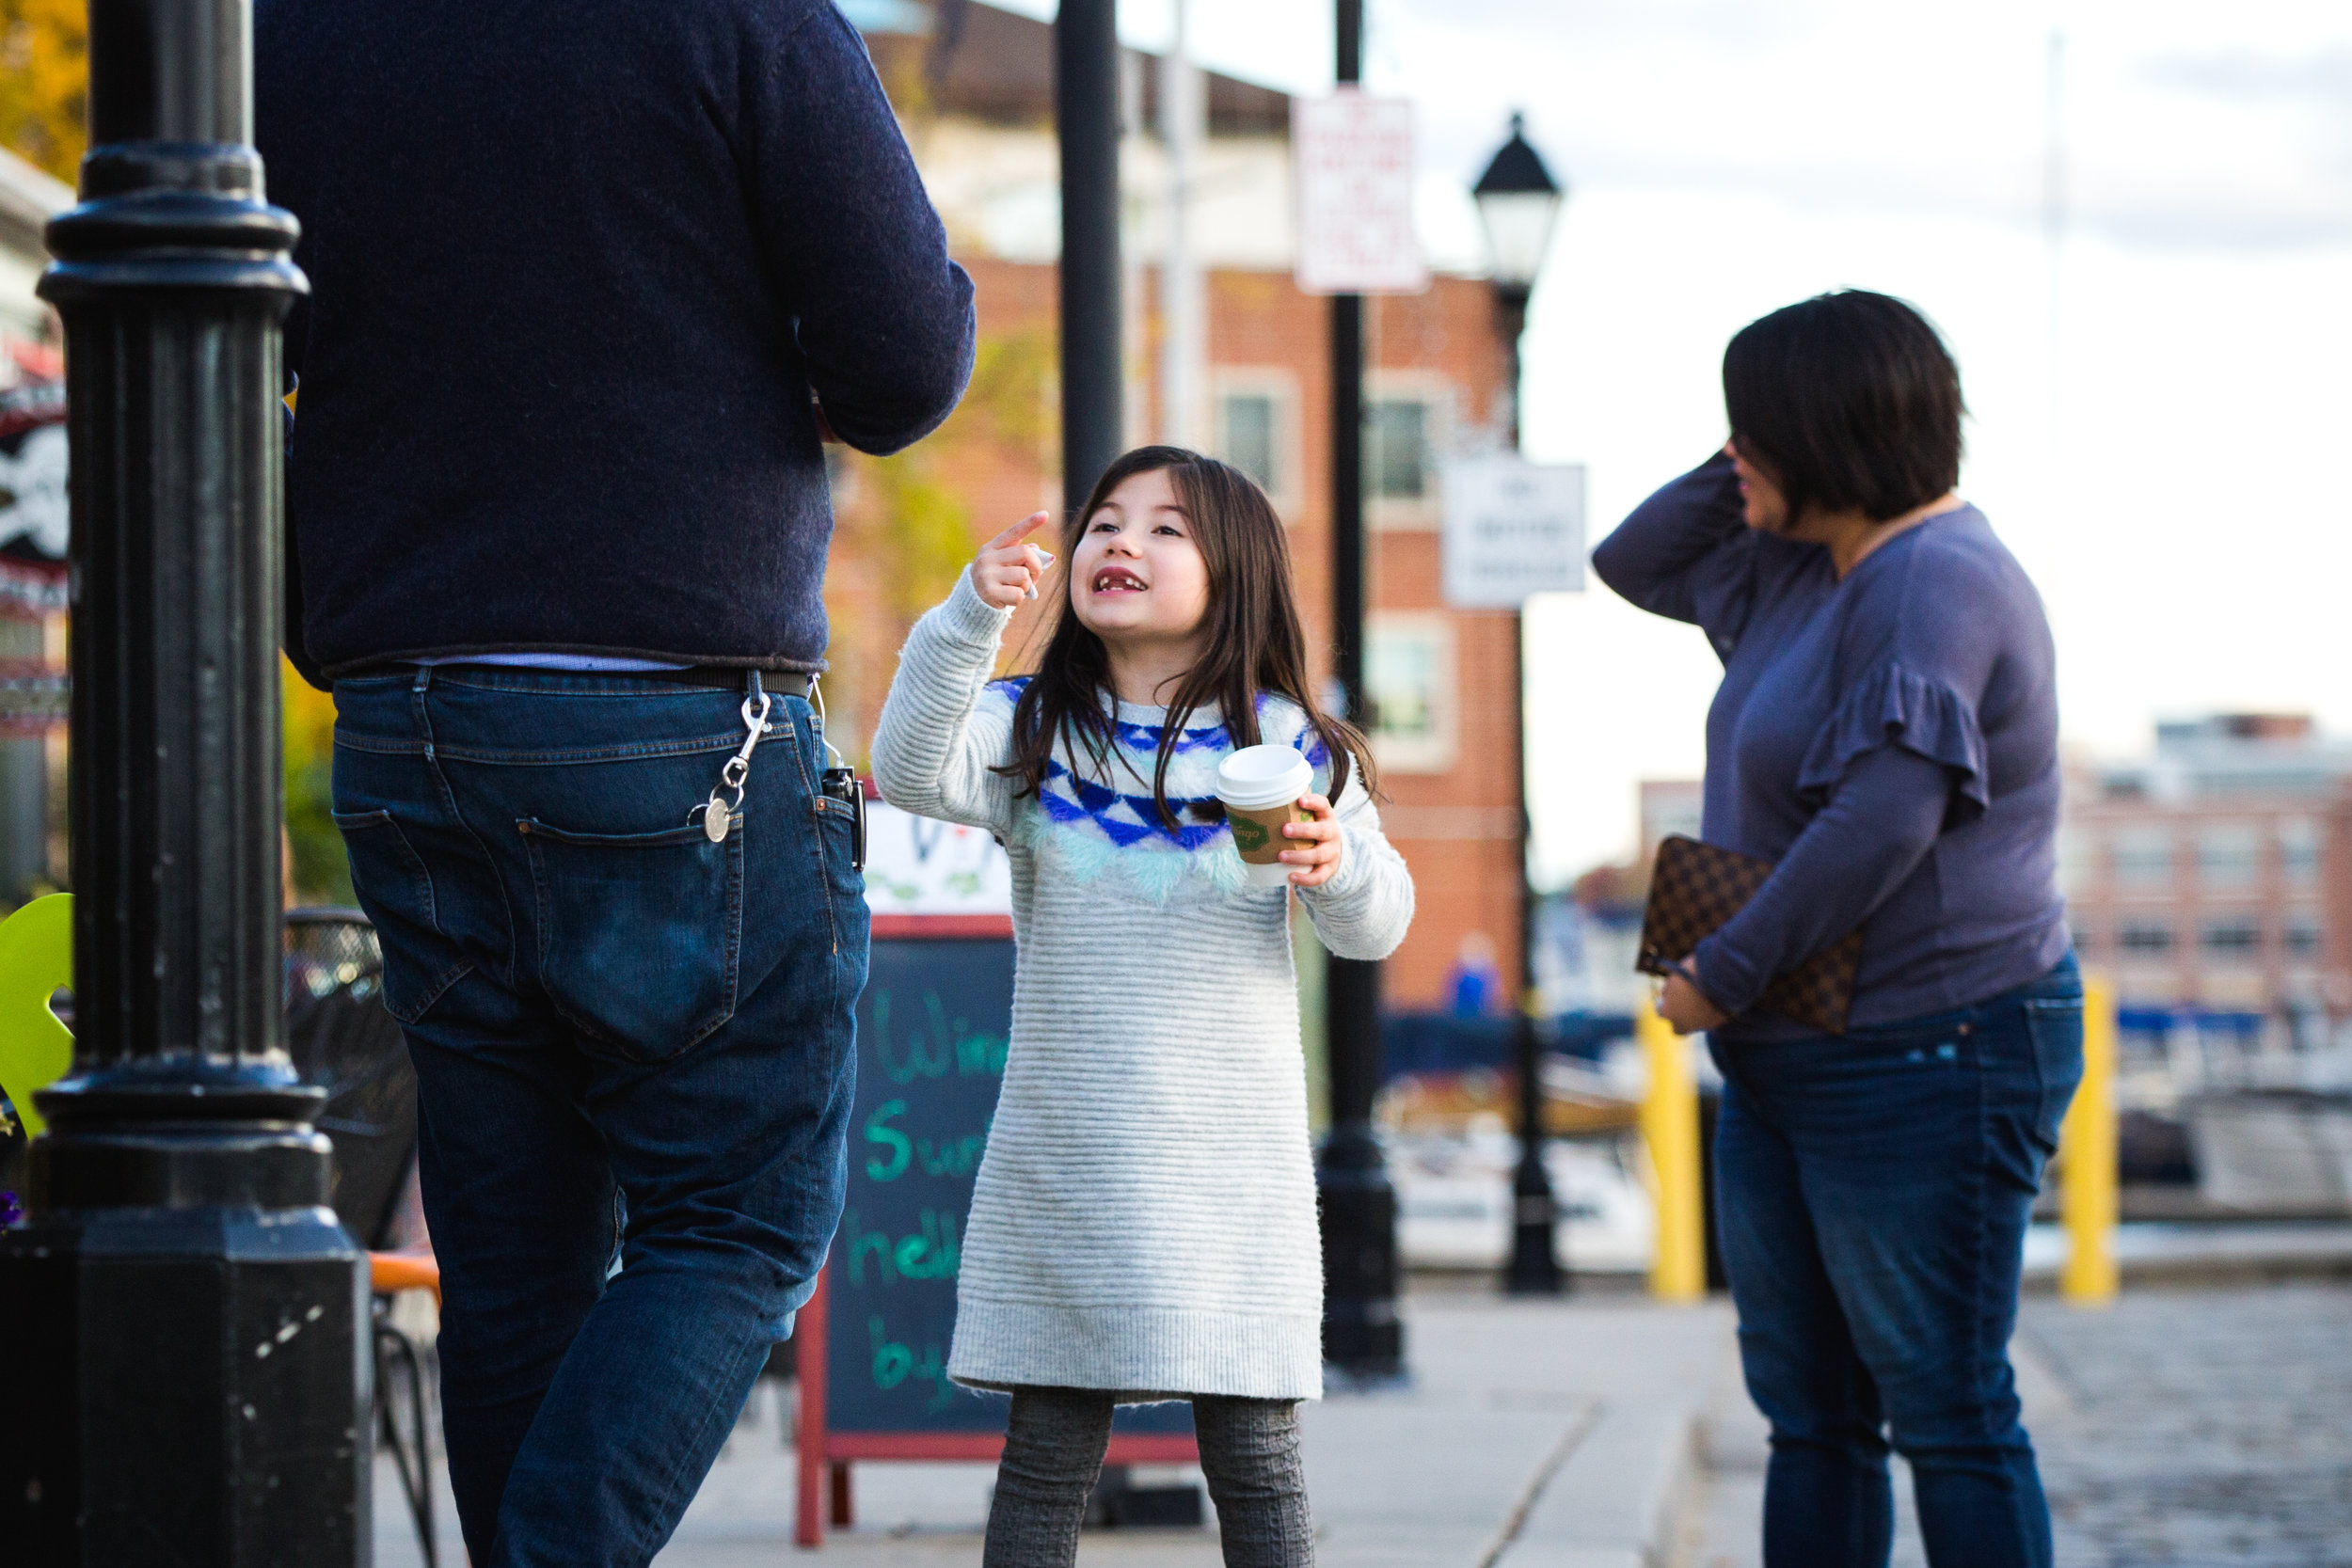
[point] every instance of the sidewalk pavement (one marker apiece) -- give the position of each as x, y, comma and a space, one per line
2208, 1426
2204, 1427
1532, 1434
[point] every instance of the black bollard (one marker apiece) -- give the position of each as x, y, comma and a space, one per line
186, 1320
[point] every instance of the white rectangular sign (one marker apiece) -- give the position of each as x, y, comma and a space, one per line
915, 866
1352, 156
1512, 528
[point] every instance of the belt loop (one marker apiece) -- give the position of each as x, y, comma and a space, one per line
750, 687
424, 678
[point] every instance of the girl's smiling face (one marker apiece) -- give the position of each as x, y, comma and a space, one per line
1136, 577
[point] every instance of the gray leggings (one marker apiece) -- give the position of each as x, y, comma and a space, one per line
1054, 1452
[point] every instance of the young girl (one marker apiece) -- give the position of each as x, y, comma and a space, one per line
1143, 1225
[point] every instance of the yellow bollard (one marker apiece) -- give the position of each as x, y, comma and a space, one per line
1670, 1126
2087, 1160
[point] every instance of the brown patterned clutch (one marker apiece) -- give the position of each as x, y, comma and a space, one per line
1696, 887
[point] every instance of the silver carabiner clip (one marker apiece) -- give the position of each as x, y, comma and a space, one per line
720, 815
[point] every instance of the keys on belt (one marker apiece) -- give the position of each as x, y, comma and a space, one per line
718, 816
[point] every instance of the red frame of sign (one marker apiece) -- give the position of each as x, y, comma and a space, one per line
825, 1455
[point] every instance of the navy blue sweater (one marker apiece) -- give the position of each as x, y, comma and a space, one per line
1889, 738
576, 267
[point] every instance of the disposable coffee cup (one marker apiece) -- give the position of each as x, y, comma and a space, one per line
1260, 786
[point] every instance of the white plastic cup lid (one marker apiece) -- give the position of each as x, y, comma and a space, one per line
1256, 777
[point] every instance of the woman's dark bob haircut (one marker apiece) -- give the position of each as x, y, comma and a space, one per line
1849, 402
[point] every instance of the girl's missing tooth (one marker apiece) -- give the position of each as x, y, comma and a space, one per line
1143, 1225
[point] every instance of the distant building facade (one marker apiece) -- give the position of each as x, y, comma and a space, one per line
973, 88
2213, 879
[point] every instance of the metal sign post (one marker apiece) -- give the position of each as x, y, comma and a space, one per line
1354, 165
1514, 528
1085, 124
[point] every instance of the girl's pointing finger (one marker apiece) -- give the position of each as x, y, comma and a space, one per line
1018, 532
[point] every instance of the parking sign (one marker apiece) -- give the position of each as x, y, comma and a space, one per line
1352, 156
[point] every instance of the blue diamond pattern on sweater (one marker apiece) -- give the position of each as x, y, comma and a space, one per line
1125, 820
1125, 834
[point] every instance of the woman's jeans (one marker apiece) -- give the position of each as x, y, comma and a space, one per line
1873, 1194
609, 1015
1054, 1446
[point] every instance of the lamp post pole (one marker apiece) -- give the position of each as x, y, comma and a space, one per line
187, 1324
1086, 120
1518, 203
1534, 1267
1362, 1334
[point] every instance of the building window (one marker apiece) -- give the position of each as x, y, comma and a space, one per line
2141, 856
2232, 938
2144, 940
2229, 854
1249, 436
2299, 851
2305, 939
1408, 433
1398, 465
1408, 674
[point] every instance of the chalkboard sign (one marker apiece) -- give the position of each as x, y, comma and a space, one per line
932, 1028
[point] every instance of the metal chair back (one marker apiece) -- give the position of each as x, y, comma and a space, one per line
343, 1040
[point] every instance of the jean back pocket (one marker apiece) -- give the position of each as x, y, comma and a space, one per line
640, 934
396, 893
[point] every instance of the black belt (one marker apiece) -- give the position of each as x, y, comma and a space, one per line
710, 677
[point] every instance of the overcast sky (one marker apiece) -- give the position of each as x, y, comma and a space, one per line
2167, 463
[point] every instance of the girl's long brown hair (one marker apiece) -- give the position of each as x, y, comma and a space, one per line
1255, 645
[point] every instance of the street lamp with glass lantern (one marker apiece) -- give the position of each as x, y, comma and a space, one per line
1518, 205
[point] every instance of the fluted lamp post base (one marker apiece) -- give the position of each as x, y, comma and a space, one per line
186, 1324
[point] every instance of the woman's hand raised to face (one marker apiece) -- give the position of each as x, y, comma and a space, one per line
1007, 571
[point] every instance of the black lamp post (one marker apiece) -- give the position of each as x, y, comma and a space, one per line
185, 1319
1518, 204
1362, 1334
1085, 124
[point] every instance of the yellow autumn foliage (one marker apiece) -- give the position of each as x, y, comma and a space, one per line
44, 83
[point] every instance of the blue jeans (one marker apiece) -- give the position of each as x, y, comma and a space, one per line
628, 1040
1873, 1195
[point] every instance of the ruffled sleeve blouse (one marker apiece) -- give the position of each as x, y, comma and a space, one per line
1888, 739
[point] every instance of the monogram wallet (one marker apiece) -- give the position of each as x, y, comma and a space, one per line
1695, 888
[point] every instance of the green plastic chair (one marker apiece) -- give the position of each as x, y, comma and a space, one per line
36, 959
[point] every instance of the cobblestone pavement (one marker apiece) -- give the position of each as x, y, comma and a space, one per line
2204, 1427
2186, 1428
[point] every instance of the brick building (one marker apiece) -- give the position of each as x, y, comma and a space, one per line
2213, 879
976, 101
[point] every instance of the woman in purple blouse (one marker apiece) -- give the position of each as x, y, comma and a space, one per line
1886, 733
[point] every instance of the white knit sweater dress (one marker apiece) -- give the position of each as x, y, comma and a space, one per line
1144, 1217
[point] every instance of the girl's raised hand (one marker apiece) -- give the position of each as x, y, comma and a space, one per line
1317, 860
1007, 571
